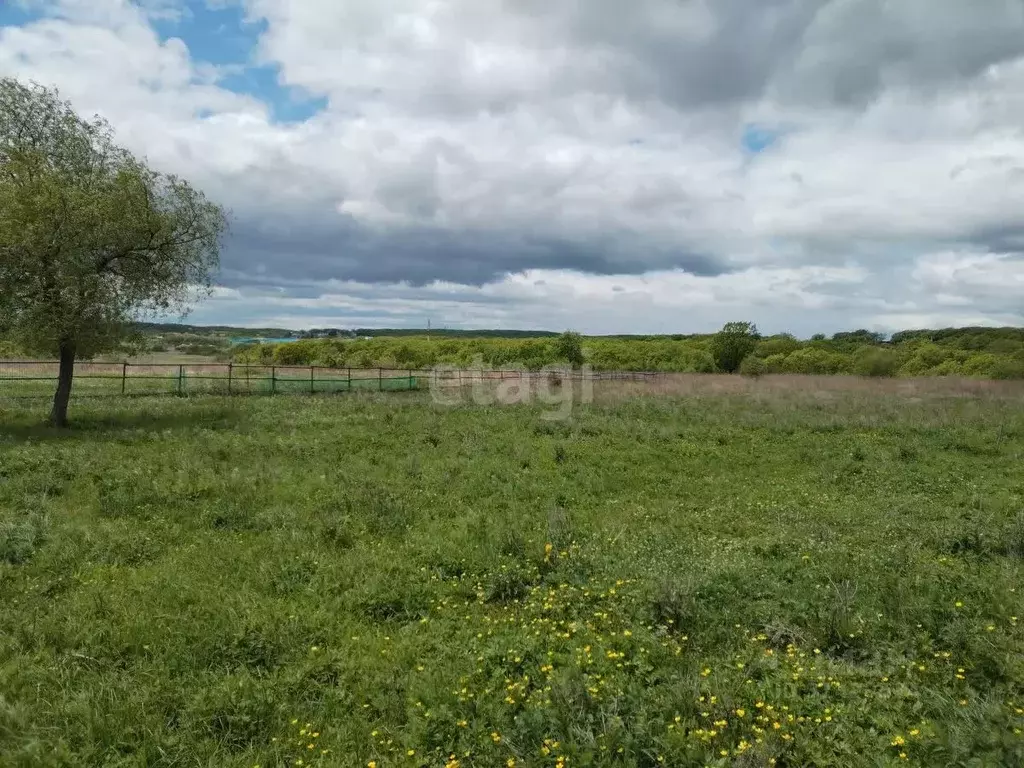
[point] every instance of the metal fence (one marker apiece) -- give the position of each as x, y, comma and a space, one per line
30, 378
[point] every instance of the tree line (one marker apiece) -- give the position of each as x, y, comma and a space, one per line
996, 353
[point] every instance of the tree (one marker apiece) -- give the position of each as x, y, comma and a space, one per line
732, 344
569, 347
91, 238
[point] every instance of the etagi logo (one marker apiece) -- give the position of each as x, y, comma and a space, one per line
559, 388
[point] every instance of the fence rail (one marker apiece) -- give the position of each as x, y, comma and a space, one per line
31, 378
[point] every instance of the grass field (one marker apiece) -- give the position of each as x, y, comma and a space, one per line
372, 580
98, 379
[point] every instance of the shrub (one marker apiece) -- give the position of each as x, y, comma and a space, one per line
569, 348
876, 362
775, 363
815, 361
9, 349
701, 362
1007, 368
782, 344
950, 367
925, 357
732, 344
984, 365
295, 353
754, 367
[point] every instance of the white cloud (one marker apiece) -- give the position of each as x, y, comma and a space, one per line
588, 152
973, 277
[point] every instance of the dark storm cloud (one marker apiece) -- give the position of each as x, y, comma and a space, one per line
852, 50
1008, 238
334, 248
690, 54
662, 51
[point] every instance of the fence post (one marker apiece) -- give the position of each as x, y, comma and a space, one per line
181, 379
124, 377
380, 379
230, 367
410, 379
312, 384
273, 379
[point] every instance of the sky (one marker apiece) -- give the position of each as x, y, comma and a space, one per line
652, 166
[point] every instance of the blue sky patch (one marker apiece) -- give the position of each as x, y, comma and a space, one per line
759, 138
224, 37
215, 35
221, 36
12, 14
287, 105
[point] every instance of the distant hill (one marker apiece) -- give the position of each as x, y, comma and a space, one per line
219, 330
283, 333
454, 333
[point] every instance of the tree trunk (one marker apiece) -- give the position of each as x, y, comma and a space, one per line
59, 414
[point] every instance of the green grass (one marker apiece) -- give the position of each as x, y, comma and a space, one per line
212, 382
340, 580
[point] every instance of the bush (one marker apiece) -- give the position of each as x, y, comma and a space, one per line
9, 349
701, 362
925, 357
569, 348
1007, 369
775, 363
813, 361
732, 344
876, 362
982, 365
949, 368
782, 344
754, 367
295, 353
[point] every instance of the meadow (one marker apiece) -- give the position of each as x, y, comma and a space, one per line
765, 576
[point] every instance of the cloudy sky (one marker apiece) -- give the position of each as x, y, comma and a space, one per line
604, 165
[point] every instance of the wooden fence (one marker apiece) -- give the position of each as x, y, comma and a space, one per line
36, 378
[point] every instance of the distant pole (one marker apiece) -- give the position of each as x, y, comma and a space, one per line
273, 379
181, 379
230, 368
124, 377
410, 378
312, 384
380, 379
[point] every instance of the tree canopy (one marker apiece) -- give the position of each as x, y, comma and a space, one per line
91, 237
732, 344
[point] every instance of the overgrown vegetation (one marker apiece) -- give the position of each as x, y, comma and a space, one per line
361, 581
993, 353
996, 353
